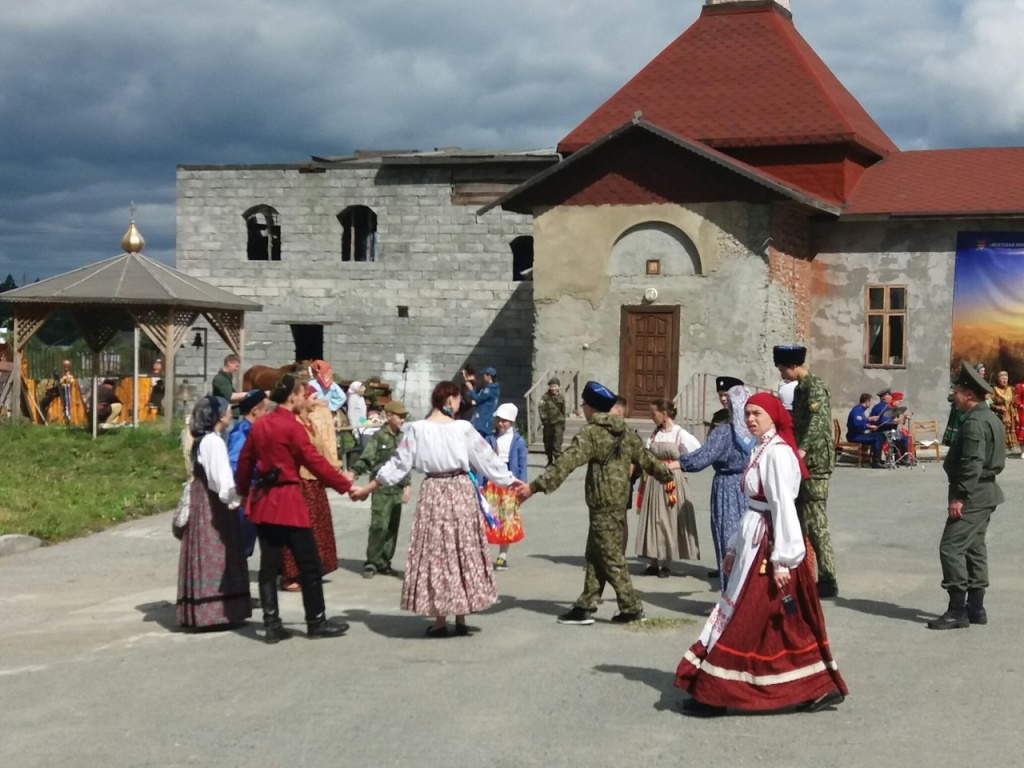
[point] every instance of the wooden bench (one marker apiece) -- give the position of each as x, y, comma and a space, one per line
844, 448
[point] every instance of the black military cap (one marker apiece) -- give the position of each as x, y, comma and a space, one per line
725, 383
971, 379
789, 354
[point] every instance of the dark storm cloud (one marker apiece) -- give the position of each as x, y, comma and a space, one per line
100, 100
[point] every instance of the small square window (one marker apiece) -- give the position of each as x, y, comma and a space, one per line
403, 311
654, 266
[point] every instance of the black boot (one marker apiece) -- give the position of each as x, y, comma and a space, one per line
827, 588
321, 627
976, 606
955, 616
271, 617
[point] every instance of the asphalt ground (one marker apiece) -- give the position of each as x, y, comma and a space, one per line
94, 673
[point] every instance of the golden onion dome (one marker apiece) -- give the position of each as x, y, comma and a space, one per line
132, 242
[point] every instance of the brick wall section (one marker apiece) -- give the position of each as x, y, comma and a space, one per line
790, 264
450, 267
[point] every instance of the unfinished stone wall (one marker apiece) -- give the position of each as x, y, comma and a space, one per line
449, 268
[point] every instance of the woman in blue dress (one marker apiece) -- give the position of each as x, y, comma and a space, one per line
727, 449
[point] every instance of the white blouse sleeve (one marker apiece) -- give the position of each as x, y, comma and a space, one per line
780, 477
213, 455
687, 442
400, 463
486, 461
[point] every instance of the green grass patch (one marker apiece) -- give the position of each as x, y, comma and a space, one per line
660, 623
60, 483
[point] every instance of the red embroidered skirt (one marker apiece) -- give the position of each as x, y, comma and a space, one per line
315, 496
765, 658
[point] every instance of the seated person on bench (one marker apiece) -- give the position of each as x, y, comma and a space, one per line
108, 407
860, 430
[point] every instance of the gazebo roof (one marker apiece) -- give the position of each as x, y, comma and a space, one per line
129, 279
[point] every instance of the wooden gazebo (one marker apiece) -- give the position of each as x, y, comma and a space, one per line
163, 302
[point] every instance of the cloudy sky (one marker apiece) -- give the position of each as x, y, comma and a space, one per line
101, 99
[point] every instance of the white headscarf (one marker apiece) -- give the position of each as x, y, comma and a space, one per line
354, 387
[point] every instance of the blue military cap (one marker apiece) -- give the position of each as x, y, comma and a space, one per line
598, 396
489, 371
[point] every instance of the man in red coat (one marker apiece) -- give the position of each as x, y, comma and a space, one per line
277, 446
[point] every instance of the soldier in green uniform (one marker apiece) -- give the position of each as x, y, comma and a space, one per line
977, 455
812, 426
608, 447
552, 419
386, 502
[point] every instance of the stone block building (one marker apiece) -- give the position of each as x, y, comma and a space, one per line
376, 262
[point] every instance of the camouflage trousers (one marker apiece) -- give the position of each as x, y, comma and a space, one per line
553, 434
385, 517
810, 506
606, 562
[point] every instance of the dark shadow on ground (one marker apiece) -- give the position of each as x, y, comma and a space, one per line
886, 610
544, 607
164, 613
407, 627
575, 560
675, 602
662, 681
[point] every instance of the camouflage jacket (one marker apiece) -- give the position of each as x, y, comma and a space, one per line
377, 453
607, 446
812, 425
552, 408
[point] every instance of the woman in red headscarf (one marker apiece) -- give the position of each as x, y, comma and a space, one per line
764, 646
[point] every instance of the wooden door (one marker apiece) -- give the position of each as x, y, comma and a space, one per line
649, 356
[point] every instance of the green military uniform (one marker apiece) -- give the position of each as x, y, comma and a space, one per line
552, 419
608, 448
977, 455
224, 386
385, 502
812, 427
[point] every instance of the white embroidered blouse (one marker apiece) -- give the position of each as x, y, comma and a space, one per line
439, 447
774, 476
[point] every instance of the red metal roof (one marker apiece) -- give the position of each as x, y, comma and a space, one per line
740, 76
942, 182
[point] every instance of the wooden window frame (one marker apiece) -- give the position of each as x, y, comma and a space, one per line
885, 313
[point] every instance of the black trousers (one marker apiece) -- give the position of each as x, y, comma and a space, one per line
273, 540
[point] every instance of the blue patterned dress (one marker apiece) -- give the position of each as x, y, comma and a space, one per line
728, 502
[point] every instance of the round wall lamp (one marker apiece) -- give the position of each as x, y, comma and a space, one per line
651, 295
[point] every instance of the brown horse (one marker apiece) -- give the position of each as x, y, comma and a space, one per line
266, 378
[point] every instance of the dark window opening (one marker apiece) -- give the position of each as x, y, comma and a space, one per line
263, 242
403, 311
522, 258
309, 342
358, 233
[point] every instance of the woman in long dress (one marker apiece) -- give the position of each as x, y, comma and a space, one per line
213, 578
315, 416
1004, 405
727, 449
448, 570
667, 528
764, 646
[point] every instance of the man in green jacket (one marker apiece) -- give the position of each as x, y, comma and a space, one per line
386, 502
552, 419
976, 456
608, 447
812, 427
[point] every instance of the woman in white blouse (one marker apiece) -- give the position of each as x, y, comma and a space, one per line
764, 646
448, 569
213, 577
667, 525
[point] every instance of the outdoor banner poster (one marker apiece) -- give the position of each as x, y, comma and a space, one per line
988, 303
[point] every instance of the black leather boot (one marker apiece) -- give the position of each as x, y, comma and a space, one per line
955, 616
321, 627
976, 606
271, 617
827, 588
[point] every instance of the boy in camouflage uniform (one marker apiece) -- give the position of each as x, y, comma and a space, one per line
386, 502
608, 447
812, 427
552, 419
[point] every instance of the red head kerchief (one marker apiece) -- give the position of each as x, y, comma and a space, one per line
323, 373
783, 422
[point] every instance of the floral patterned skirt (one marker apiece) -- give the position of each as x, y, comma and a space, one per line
448, 569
